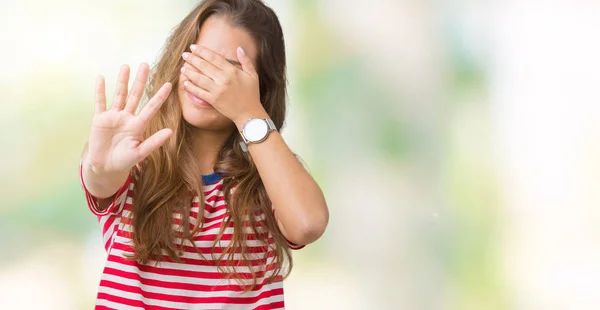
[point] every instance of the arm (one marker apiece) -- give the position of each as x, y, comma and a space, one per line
115, 144
102, 187
300, 207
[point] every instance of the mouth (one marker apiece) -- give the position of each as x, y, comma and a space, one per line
197, 100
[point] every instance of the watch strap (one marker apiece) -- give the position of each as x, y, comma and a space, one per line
270, 124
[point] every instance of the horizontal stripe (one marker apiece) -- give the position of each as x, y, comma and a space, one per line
271, 306
207, 246
181, 289
190, 300
215, 198
194, 259
127, 300
201, 275
106, 301
107, 293
178, 271
124, 302
210, 189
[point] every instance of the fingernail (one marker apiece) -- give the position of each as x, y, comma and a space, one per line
182, 69
241, 50
186, 83
193, 47
185, 55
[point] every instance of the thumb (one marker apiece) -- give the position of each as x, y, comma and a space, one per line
246, 62
153, 142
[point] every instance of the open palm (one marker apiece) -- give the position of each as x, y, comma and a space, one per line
116, 140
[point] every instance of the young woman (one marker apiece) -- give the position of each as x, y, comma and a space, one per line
199, 198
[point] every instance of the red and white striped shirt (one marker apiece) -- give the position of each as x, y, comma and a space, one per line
194, 282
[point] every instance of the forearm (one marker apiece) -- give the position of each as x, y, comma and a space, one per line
300, 206
101, 184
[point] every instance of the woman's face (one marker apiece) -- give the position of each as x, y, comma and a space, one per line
220, 36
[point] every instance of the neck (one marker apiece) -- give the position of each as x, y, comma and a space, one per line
207, 145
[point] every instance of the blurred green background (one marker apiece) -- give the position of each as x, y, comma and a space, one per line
456, 143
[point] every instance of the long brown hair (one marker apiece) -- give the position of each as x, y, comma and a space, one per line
171, 177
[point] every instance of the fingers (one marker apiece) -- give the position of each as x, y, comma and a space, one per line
137, 90
100, 95
121, 91
246, 62
198, 92
155, 103
215, 59
190, 67
198, 79
153, 142
203, 66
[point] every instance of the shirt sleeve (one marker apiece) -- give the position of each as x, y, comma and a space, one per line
110, 218
116, 205
294, 246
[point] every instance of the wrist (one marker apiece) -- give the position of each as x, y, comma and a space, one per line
98, 171
89, 168
241, 120
101, 184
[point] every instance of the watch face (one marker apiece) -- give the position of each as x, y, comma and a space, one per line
255, 129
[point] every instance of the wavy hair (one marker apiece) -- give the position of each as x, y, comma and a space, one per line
171, 178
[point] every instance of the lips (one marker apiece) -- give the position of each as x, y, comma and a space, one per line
197, 100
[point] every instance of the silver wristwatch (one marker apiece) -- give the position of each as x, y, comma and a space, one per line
256, 130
